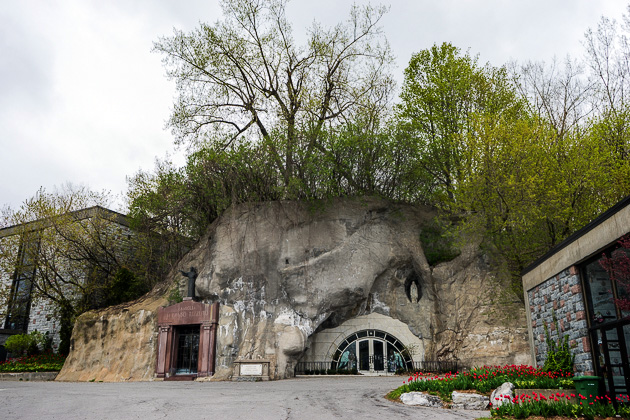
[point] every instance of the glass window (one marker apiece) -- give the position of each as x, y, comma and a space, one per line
394, 359
348, 357
620, 259
601, 296
371, 352
20, 300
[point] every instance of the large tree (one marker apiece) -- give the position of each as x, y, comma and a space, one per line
442, 91
556, 93
246, 77
525, 189
608, 52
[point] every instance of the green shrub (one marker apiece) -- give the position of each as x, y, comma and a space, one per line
559, 356
124, 287
23, 344
175, 296
437, 244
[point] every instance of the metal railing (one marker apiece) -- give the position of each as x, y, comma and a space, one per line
313, 368
436, 366
326, 368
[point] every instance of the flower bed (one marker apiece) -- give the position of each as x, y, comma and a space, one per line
47, 362
484, 380
570, 394
526, 405
523, 404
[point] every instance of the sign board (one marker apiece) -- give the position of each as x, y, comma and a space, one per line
186, 313
251, 369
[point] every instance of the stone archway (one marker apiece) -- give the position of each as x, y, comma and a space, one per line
379, 335
372, 351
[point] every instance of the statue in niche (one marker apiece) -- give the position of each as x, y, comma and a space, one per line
413, 279
192, 276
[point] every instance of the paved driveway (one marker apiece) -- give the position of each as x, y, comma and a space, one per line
318, 398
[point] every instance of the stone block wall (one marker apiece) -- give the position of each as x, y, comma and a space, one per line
560, 299
42, 318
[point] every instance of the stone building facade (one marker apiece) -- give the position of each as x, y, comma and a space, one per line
558, 304
21, 310
569, 293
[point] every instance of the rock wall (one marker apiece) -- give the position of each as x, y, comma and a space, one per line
116, 344
285, 270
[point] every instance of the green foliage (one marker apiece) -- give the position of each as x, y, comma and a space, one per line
47, 362
442, 90
22, 344
437, 243
29, 344
125, 287
559, 357
524, 189
521, 179
175, 296
67, 315
179, 204
42, 341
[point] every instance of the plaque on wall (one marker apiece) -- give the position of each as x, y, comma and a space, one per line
252, 369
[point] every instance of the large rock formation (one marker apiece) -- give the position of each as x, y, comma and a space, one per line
115, 344
284, 270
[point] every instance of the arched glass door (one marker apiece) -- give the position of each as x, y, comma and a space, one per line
371, 351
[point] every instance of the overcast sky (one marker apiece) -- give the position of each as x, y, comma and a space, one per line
84, 100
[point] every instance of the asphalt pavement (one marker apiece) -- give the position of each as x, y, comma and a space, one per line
320, 398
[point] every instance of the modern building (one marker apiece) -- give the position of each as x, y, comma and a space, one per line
30, 252
573, 291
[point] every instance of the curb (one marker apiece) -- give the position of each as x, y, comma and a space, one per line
28, 376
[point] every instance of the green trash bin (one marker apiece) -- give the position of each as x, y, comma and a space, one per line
588, 386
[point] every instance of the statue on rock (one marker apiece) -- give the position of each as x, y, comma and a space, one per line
192, 276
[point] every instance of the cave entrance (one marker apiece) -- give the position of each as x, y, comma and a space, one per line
372, 351
187, 334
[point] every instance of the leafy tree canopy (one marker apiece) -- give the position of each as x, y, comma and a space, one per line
246, 78
522, 156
